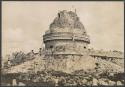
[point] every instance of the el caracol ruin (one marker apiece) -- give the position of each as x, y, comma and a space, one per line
67, 39
66, 50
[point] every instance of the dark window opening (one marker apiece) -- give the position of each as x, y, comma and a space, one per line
59, 15
96, 64
84, 47
51, 46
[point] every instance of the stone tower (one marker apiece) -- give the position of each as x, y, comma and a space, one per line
66, 36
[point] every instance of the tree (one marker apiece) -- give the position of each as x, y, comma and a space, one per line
18, 57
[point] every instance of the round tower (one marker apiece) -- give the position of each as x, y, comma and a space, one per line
66, 36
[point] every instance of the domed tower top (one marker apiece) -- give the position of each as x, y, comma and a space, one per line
67, 21
66, 35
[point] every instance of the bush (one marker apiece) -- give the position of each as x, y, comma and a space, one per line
17, 58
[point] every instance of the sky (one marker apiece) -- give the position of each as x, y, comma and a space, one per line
24, 23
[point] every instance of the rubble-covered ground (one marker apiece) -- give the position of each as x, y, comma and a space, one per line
68, 71
77, 78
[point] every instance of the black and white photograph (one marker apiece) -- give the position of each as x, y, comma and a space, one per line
62, 43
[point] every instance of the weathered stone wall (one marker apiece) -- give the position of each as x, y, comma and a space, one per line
66, 46
70, 63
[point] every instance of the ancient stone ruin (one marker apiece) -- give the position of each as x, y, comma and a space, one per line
66, 45
66, 36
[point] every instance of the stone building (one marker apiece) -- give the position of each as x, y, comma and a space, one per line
66, 36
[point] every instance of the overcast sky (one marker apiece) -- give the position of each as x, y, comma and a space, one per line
24, 23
